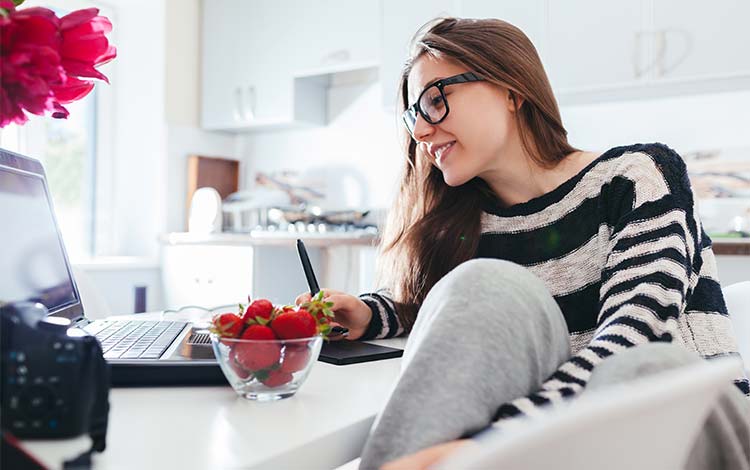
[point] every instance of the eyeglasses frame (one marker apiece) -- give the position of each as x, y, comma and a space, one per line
465, 77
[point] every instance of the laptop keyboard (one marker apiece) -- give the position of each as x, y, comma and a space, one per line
135, 339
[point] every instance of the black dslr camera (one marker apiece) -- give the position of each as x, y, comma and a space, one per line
55, 381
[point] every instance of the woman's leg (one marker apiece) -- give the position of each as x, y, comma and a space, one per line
487, 333
724, 441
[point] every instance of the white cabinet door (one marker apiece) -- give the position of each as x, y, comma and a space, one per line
206, 276
594, 44
220, 55
253, 49
245, 78
528, 15
700, 39
400, 21
263, 85
327, 33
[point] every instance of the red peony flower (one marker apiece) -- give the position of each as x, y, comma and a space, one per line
42, 59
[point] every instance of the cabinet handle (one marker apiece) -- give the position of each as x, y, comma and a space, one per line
237, 109
642, 71
637, 70
336, 57
249, 111
688, 45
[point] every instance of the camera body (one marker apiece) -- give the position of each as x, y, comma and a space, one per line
55, 381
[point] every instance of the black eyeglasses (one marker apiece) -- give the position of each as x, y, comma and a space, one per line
432, 104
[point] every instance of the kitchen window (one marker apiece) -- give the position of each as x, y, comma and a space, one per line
75, 154
68, 150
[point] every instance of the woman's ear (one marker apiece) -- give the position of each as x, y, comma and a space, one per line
514, 101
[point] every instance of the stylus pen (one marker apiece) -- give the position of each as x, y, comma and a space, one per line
309, 274
313, 283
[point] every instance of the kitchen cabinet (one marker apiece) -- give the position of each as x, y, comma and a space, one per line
206, 275
601, 51
594, 44
646, 49
223, 269
263, 60
400, 21
697, 40
528, 15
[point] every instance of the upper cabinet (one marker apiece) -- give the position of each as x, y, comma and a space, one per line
700, 40
267, 63
400, 21
594, 44
263, 59
646, 48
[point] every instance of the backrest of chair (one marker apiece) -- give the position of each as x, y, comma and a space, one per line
737, 298
648, 424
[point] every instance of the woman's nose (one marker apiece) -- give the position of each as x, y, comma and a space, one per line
422, 128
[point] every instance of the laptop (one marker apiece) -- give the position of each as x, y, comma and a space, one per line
34, 266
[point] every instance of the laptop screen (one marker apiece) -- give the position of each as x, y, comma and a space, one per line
33, 263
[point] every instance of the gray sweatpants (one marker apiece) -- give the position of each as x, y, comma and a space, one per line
490, 332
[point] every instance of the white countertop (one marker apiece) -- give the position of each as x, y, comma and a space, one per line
279, 238
323, 426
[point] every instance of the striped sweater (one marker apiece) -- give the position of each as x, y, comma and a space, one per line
621, 249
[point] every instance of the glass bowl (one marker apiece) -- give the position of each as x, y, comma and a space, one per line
266, 370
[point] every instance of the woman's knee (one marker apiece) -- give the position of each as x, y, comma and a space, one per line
640, 361
497, 294
492, 274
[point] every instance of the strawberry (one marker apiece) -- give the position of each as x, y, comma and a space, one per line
291, 325
276, 378
255, 356
258, 312
296, 357
227, 325
241, 372
321, 310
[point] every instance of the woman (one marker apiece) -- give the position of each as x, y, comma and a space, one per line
521, 264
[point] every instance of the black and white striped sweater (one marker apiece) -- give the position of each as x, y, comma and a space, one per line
621, 249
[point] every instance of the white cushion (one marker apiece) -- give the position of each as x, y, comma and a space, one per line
737, 298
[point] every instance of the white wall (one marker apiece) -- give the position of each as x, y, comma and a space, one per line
685, 123
139, 159
156, 98
360, 140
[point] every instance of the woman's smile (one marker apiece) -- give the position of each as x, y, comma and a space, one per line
441, 152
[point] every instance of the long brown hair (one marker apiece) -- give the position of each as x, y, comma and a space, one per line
433, 227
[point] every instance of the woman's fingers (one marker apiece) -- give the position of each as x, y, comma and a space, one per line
340, 301
302, 298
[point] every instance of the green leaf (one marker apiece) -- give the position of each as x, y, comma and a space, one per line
17, 2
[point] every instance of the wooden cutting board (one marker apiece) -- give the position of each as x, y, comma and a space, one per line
222, 174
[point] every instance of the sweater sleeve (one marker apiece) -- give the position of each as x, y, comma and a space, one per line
650, 271
385, 322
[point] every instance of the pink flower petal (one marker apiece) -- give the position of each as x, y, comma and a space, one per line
72, 90
77, 68
77, 17
60, 112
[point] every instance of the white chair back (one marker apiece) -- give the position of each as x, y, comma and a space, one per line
737, 298
648, 424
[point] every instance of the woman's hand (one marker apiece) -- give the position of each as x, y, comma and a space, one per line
426, 457
350, 311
